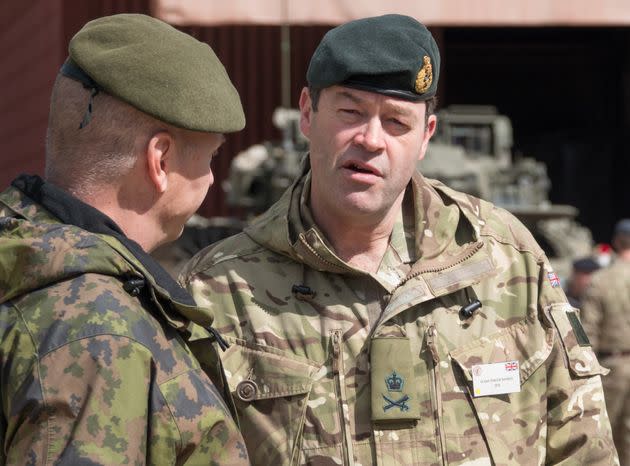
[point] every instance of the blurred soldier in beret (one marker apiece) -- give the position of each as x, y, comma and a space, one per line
378, 317
606, 317
582, 271
97, 343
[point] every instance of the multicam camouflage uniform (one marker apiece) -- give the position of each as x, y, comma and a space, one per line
606, 317
353, 368
94, 363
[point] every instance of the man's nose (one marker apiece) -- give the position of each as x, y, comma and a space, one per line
371, 136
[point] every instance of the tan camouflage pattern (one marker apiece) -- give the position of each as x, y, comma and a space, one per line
606, 317
299, 365
90, 375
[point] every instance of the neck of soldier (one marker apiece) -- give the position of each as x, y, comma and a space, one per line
133, 219
360, 241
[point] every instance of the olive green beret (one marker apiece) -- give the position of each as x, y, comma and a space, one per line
393, 55
157, 69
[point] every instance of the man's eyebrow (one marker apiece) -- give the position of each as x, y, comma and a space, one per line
348, 95
401, 109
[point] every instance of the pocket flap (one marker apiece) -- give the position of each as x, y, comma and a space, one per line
267, 372
527, 342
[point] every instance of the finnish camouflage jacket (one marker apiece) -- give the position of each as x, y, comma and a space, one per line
96, 364
329, 365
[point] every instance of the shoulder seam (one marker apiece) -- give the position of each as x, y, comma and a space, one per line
227, 258
538, 255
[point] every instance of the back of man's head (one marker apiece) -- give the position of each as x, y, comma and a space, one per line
127, 76
81, 159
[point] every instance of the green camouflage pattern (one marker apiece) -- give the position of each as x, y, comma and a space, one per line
300, 363
606, 317
90, 374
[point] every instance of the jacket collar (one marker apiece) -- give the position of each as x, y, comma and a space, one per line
447, 227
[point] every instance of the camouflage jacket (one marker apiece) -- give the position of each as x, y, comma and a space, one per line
329, 365
606, 309
94, 362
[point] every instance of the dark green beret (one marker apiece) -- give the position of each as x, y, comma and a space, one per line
157, 69
392, 54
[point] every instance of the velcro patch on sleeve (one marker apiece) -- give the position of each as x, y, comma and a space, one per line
580, 334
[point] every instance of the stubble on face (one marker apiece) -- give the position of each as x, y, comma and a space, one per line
364, 149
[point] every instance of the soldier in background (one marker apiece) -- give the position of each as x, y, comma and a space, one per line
581, 274
96, 340
378, 317
606, 318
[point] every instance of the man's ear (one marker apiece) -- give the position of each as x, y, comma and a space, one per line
306, 111
159, 154
429, 130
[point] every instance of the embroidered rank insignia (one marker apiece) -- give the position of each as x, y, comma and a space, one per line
402, 403
553, 279
424, 77
395, 383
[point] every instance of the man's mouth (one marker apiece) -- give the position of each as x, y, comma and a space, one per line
361, 168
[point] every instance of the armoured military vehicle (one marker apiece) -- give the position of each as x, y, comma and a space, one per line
259, 175
471, 152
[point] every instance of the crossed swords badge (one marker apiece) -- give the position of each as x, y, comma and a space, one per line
402, 403
395, 383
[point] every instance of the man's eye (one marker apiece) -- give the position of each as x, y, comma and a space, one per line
398, 124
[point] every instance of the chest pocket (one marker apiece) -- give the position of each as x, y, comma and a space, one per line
510, 420
270, 391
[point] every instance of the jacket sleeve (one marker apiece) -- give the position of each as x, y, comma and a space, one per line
578, 428
591, 315
82, 403
96, 401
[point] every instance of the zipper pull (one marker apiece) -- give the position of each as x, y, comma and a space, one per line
431, 334
336, 351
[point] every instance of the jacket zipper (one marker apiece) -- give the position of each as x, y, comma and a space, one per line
340, 379
464, 257
431, 334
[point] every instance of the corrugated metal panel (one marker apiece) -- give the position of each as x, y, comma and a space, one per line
29, 46
33, 43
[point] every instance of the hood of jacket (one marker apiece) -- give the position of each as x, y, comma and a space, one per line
39, 250
34, 255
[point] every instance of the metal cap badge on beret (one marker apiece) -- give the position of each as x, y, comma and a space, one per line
159, 70
393, 55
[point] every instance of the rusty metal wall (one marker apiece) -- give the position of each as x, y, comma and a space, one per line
33, 41
33, 44
30, 41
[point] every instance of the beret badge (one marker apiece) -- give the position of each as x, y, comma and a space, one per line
424, 77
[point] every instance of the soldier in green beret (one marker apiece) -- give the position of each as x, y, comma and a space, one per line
379, 317
97, 343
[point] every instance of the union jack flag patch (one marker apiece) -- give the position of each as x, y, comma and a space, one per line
553, 279
511, 366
